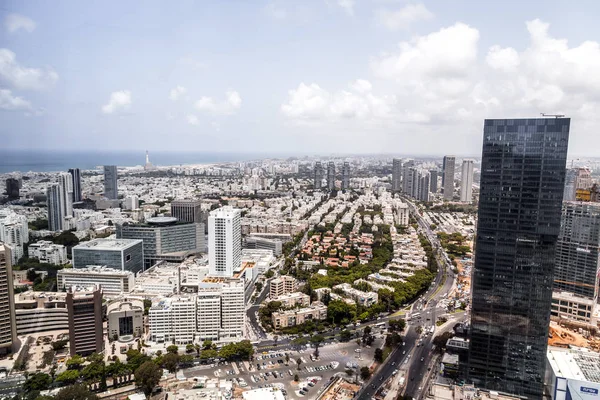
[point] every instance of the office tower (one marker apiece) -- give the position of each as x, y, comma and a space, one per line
406, 182
433, 181
85, 320
330, 175
261, 243
424, 184
522, 182
577, 255
131, 203
76, 182
448, 177
466, 181
396, 175
346, 176
111, 190
569, 193
318, 175
54, 202
165, 239
224, 241
8, 328
187, 210
65, 182
123, 254
12, 188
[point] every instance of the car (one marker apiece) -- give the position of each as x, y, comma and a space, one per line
302, 392
403, 352
422, 359
311, 384
394, 363
381, 378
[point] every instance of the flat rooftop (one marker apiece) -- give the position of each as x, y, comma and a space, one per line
94, 269
579, 364
108, 244
263, 394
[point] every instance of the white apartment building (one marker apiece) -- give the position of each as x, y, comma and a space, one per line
293, 300
14, 231
208, 312
233, 312
112, 281
224, 241
466, 182
366, 299
173, 319
47, 252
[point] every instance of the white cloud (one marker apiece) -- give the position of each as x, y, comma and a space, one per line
502, 58
23, 77
403, 18
177, 92
216, 126
276, 11
361, 86
347, 6
119, 101
192, 120
14, 22
12, 103
230, 105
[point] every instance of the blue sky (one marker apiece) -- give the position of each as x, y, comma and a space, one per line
323, 76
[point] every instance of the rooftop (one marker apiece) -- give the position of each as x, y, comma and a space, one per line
95, 269
575, 363
263, 394
108, 244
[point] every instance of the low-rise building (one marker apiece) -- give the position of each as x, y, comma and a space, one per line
366, 299
574, 308
113, 282
572, 373
282, 285
283, 319
256, 242
123, 254
37, 312
47, 252
125, 318
293, 300
441, 391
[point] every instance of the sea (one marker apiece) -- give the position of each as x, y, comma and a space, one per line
54, 161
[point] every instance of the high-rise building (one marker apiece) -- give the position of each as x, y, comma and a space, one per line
318, 175
54, 202
466, 181
76, 182
407, 181
424, 184
396, 175
448, 177
8, 327
583, 179
12, 188
84, 307
65, 182
569, 194
346, 175
433, 181
122, 254
188, 210
165, 239
577, 255
111, 190
14, 231
224, 241
330, 175
522, 182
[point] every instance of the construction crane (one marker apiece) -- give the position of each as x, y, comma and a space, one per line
552, 115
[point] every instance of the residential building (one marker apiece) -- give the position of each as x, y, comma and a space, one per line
522, 184
224, 241
572, 374
424, 185
111, 190
37, 312
114, 282
76, 184
123, 254
8, 329
396, 175
47, 252
125, 318
165, 239
448, 177
54, 204
14, 232
208, 312
257, 242
346, 175
233, 311
131, 203
317, 311
12, 188
365, 299
65, 183
330, 175
282, 285
173, 320
407, 177
318, 175
433, 181
293, 300
188, 210
466, 181
84, 306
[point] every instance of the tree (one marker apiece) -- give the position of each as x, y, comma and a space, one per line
345, 335
269, 274
147, 305
75, 362
258, 286
189, 348
396, 325
316, 340
75, 392
147, 377
349, 372
39, 381
299, 362
208, 354
66, 238
170, 362
207, 345
296, 378
378, 355
365, 373
287, 359
59, 345
338, 310
68, 377
173, 349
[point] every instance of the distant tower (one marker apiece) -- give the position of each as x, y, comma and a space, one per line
318, 179
224, 241
54, 206
148, 166
65, 181
448, 177
396, 175
331, 175
346, 176
110, 182
76, 179
466, 181
433, 182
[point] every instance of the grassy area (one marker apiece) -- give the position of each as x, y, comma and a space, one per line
386, 352
399, 313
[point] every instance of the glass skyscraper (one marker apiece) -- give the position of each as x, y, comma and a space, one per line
521, 191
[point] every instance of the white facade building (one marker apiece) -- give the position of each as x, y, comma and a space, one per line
47, 252
113, 282
466, 181
224, 241
14, 231
173, 319
208, 315
65, 182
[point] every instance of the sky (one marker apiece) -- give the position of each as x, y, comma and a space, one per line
305, 76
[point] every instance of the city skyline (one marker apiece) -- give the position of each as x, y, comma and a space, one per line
332, 75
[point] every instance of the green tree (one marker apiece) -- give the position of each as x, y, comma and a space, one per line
345, 335
207, 345
365, 373
287, 359
173, 349
396, 325
269, 274
75, 362
147, 305
378, 355
68, 377
296, 378
135, 358
147, 377
338, 310
170, 362
37, 382
209, 354
75, 392
299, 362
316, 340
189, 348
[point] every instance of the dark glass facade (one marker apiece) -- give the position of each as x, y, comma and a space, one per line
522, 184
